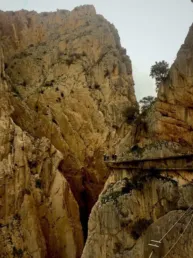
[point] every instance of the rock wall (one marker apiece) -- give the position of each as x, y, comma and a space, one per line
71, 76
38, 213
134, 208
65, 89
170, 118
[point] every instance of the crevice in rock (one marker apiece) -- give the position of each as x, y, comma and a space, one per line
85, 195
84, 213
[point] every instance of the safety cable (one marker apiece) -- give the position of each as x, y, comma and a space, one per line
159, 241
179, 237
176, 223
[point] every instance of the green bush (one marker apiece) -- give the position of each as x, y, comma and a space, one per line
128, 186
146, 102
159, 71
17, 252
131, 113
38, 183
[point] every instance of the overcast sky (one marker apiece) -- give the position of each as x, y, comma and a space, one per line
150, 30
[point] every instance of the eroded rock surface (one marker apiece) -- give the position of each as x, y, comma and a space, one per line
72, 83
134, 209
170, 118
37, 207
65, 89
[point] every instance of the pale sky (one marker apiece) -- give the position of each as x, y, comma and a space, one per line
150, 30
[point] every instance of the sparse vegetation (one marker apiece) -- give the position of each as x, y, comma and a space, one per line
17, 252
131, 113
38, 183
136, 183
159, 71
111, 197
145, 103
128, 186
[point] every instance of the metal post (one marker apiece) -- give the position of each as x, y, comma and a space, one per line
151, 254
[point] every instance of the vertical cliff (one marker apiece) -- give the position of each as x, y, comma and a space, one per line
143, 203
38, 213
170, 118
66, 87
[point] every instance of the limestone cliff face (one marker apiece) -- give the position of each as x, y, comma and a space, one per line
135, 208
72, 83
171, 117
65, 89
38, 212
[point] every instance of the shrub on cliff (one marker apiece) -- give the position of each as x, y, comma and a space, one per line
145, 103
159, 72
131, 113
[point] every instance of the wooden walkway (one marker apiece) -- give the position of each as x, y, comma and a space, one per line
173, 163
166, 164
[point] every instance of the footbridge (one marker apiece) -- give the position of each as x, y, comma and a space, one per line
178, 167
170, 163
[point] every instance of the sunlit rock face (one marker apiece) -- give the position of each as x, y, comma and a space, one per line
65, 90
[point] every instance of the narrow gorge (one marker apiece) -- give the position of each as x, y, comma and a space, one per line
67, 98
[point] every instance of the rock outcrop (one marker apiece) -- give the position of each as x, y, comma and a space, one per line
170, 119
38, 212
66, 98
132, 211
72, 83
65, 89
138, 205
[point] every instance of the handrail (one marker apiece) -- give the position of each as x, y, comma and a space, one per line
152, 159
